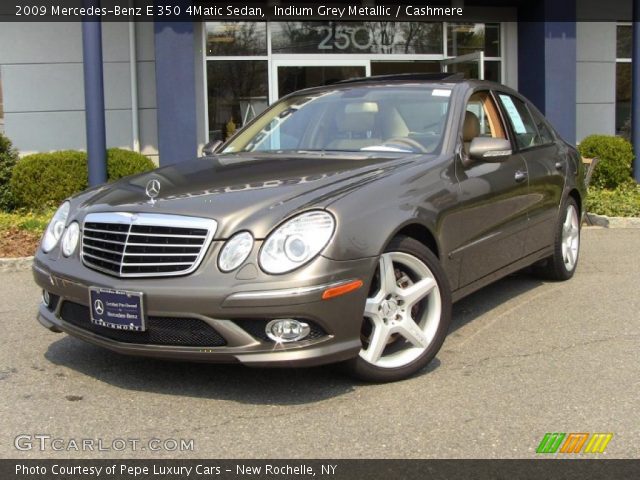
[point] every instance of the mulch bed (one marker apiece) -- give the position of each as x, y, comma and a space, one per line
15, 242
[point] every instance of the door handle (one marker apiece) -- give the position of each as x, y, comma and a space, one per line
559, 165
520, 176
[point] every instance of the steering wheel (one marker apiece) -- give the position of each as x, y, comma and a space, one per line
406, 141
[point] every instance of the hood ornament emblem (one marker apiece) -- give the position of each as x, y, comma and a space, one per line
152, 190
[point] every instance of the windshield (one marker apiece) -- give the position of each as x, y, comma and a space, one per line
363, 118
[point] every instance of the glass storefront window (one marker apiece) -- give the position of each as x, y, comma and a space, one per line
493, 70
1, 105
464, 38
236, 38
293, 78
357, 37
624, 41
250, 64
623, 98
238, 90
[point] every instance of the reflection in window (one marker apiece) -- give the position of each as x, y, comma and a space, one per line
357, 37
465, 38
236, 38
237, 91
493, 70
291, 79
624, 39
623, 99
1, 105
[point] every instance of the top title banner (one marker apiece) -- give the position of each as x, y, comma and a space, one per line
236, 12
197, 10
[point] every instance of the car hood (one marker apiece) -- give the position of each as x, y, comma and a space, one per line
245, 191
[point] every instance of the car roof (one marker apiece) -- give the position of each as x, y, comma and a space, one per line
446, 80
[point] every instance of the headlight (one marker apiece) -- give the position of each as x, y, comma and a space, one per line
70, 239
56, 227
235, 251
296, 242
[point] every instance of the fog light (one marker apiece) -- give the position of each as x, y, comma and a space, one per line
46, 299
286, 330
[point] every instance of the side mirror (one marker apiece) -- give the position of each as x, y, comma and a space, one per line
209, 150
487, 149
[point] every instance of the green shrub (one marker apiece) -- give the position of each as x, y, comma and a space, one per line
623, 201
8, 159
122, 163
616, 156
46, 179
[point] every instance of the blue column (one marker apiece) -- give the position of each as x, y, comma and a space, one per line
94, 98
176, 91
635, 92
547, 63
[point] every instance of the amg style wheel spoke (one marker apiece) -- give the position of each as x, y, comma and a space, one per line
377, 344
416, 292
387, 274
413, 333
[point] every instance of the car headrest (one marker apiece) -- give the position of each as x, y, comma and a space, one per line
471, 128
356, 122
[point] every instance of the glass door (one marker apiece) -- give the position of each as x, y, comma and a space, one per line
471, 65
290, 75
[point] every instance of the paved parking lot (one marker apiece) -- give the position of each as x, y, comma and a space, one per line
523, 358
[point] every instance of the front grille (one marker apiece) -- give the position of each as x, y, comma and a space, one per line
256, 328
170, 331
145, 244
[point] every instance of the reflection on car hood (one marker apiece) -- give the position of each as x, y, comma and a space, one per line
246, 191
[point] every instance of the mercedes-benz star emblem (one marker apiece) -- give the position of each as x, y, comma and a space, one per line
152, 190
98, 306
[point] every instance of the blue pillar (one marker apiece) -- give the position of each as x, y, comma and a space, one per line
94, 98
635, 92
176, 91
547, 63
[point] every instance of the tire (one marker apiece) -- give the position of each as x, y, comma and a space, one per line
415, 293
566, 247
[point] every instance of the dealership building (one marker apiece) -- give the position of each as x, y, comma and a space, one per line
170, 87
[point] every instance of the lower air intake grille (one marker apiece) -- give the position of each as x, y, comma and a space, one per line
174, 331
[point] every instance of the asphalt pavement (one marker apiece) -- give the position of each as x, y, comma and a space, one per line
523, 357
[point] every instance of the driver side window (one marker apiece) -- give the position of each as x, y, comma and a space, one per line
482, 119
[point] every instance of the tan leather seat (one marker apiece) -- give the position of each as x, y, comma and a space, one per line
356, 128
470, 130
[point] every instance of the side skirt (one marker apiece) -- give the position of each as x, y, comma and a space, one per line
503, 272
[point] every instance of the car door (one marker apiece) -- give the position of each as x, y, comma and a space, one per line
547, 164
492, 215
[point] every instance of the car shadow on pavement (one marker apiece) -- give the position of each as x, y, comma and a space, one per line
281, 386
491, 297
259, 386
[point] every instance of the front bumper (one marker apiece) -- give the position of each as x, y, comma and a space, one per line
226, 303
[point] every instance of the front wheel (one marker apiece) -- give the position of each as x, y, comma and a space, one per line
406, 316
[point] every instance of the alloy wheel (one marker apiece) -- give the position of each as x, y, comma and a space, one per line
402, 313
570, 238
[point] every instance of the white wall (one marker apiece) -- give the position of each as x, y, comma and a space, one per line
43, 87
596, 78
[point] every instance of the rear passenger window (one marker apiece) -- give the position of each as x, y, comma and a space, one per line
524, 127
546, 136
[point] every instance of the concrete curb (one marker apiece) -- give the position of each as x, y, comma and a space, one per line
612, 222
15, 264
